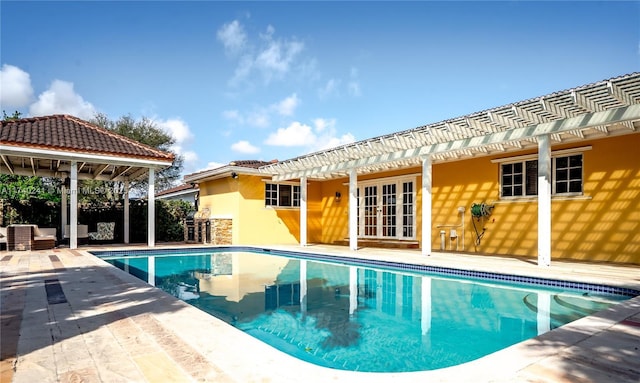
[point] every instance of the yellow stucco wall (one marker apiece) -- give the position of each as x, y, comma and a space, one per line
601, 225
242, 199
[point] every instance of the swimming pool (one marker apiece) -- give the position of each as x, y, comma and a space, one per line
372, 316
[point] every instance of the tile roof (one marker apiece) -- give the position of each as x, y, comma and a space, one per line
178, 188
68, 133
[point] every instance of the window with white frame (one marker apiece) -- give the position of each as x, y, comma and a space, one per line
520, 178
282, 195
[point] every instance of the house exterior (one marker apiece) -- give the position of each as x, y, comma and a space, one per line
185, 192
556, 176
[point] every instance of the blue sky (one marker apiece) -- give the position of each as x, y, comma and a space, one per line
274, 80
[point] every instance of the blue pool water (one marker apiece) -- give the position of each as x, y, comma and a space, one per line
365, 317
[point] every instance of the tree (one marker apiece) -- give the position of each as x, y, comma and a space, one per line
19, 194
15, 116
146, 132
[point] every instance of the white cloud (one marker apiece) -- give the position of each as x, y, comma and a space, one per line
287, 106
270, 56
180, 132
61, 98
322, 124
335, 87
233, 37
16, 90
233, 115
177, 128
258, 118
244, 147
330, 141
321, 136
353, 87
330, 88
296, 134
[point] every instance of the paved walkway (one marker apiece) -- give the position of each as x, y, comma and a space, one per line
68, 317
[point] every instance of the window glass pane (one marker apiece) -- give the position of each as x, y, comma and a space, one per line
575, 173
575, 186
296, 195
561, 162
271, 195
575, 160
562, 175
517, 167
507, 179
517, 190
561, 187
284, 195
517, 179
507, 169
532, 177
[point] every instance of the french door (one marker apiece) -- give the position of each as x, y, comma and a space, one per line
386, 209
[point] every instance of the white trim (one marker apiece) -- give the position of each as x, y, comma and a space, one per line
374, 180
10, 150
555, 153
269, 181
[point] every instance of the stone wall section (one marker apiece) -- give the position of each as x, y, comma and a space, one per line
221, 231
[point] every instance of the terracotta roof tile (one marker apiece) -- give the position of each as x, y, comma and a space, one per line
178, 189
70, 133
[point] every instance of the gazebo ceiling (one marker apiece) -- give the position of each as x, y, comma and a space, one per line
46, 147
606, 108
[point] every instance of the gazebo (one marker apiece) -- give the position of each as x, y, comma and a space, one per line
63, 146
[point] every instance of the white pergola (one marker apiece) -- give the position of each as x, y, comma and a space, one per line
606, 108
83, 151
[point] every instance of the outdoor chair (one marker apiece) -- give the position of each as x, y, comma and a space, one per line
44, 238
105, 232
3, 237
83, 233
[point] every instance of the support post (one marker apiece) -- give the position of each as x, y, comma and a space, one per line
426, 205
126, 211
73, 224
151, 209
544, 200
64, 218
353, 209
303, 211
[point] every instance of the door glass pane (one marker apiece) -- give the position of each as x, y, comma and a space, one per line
407, 210
370, 211
389, 210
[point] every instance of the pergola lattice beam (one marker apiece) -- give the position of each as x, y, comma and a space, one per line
590, 120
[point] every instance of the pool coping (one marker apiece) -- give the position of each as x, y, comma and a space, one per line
231, 355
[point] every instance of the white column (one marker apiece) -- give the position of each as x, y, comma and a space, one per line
151, 270
151, 209
303, 211
73, 224
63, 207
426, 205
353, 209
544, 201
425, 306
353, 290
126, 211
544, 312
303, 287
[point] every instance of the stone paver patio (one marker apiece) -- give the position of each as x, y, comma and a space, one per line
69, 317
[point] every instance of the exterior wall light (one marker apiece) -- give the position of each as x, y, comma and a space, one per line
338, 196
234, 175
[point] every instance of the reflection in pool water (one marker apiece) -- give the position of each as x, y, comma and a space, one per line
360, 318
